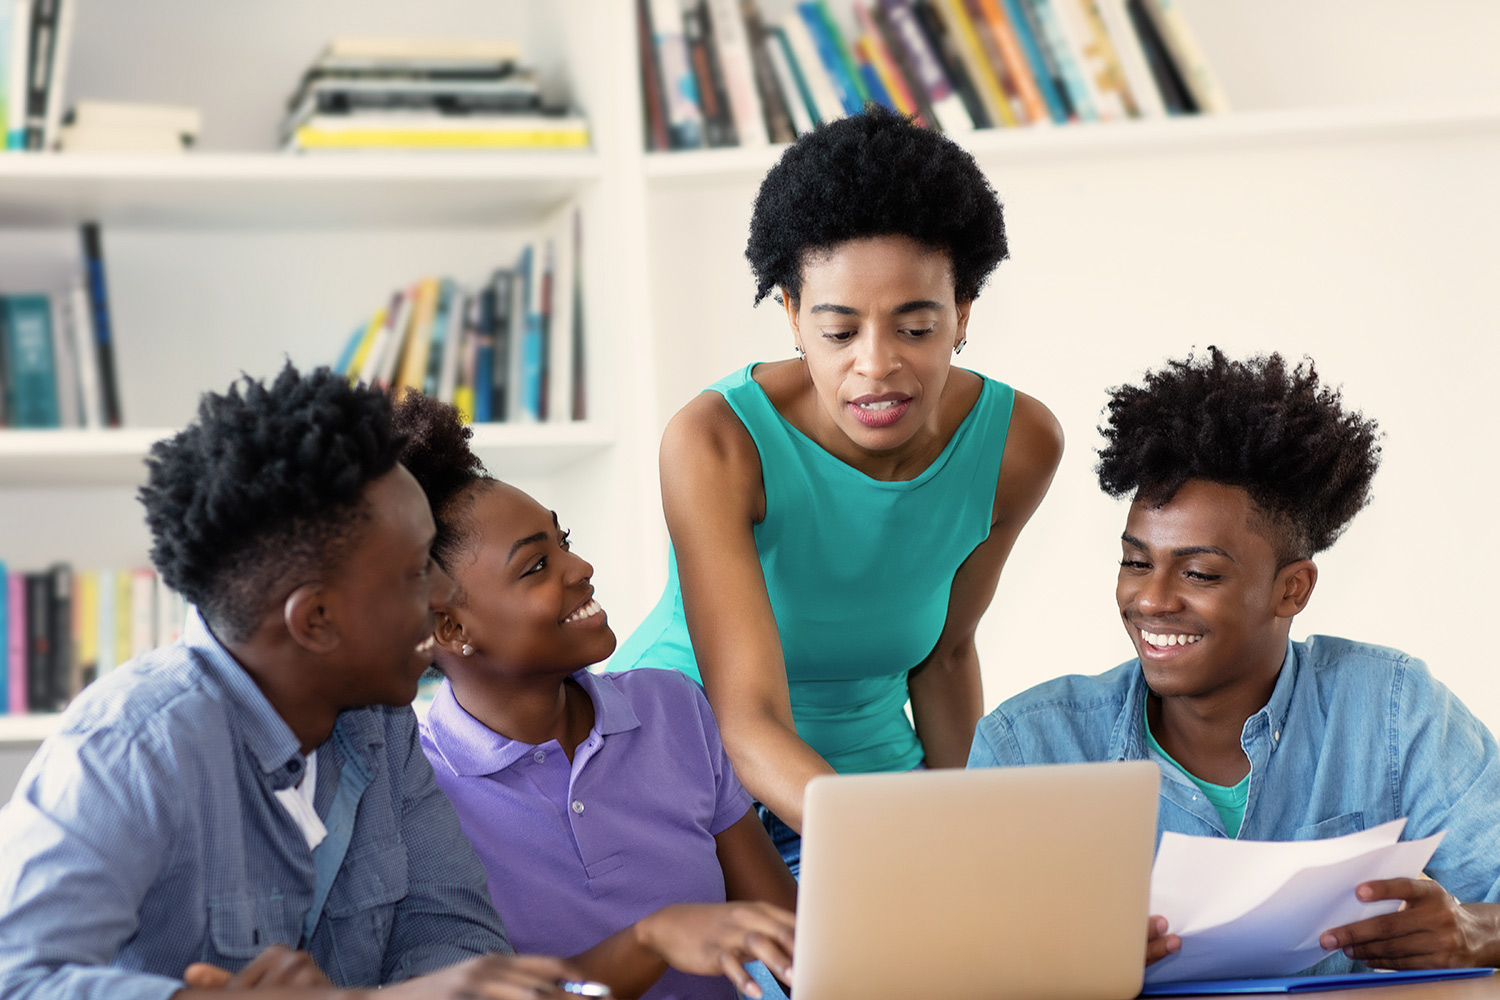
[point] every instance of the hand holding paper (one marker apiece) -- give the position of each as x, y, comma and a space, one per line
1251, 908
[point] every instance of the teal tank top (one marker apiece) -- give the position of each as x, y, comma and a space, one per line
858, 571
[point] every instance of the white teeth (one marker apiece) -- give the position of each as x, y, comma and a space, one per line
1169, 639
426, 645
589, 610
886, 405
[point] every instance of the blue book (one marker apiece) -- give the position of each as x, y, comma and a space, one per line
833, 60
876, 89
484, 358
1307, 984
532, 348
30, 366
1053, 36
346, 356
1041, 69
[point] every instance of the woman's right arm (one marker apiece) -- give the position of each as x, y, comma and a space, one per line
713, 496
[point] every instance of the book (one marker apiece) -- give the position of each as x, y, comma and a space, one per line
142, 609
966, 49
775, 101
732, 45
1144, 95
878, 51
679, 86
878, 80
5, 623
504, 327
653, 106
179, 118
30, 365
946, 51
372, 367
718, 119
18, 687
39, 70
57, 72
543, 305
100, 320
580, 368
1018, 14
105, 629
830, 50
69, 405
459, 330
412, 372
359, 49
1094, 58
366, 342
524, 394
396, 342
995, 60
85, 630
905, 70
323, 93
798, 100
1054, 39
60, 653
1169, 83
16, 76
1021, 72
442, 318
560, 333
826, 103
38, 669
1188, 56
949, 110
395, 130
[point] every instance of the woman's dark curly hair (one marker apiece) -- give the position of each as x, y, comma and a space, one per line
437, 453
1261, 425
874, 174
265, 488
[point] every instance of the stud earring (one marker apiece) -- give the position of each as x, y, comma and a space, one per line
468, 650
800, 355
958, 348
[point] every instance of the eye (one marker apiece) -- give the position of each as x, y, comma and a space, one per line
838, 336
563, 540
536, 567
919, 334
1134, 565
1193, 574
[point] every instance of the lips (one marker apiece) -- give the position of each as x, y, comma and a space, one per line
880, 410
587, 610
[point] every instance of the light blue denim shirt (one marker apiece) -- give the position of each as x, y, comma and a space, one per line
146, 836
1354, 735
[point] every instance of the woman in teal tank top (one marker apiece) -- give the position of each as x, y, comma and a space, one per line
839, 521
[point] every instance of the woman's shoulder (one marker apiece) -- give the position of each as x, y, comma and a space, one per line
661, 697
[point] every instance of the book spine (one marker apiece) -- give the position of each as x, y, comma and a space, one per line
580, 368
30, 363
5, 627
878, 51
943, 45
460, 332
104, 626
653, 106
502, 289
1094, 60
60, 639
966, 48
1042, 68
442, 318
948, 108
39, 69
826, 103
57, 72
39, 641
519, 335
995, 61
85, 629
544, 325
18, 52
774, 100
733, 47
69, 405
799, 101
1144, 95
904, 69
122, 622
850, 92
1015, 59
1056, 40
17, 687
684, 112
1186, 52
104, 345
718, 120
871, 76
1174, 94
879, 72
368, 338
412, 372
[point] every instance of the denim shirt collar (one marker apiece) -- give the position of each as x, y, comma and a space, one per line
472, 749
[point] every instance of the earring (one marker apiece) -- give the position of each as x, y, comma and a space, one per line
958, 348
800, 355
468, 650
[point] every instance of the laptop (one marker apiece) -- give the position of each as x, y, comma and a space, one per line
991, 884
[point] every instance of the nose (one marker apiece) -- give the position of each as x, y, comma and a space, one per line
441, 587
579, 569
877, 355
1157, 595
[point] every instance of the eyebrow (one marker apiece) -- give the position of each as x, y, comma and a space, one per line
1187, 550
915, 305
540, 536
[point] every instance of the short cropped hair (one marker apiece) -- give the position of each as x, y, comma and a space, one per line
874, 174
265, 488
1265, 426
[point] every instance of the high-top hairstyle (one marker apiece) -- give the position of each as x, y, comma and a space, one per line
437, 453
874, 174
264, 490
1261, 425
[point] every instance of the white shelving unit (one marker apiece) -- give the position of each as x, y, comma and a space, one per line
1347, 209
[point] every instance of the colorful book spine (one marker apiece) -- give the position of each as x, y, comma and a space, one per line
967, 48
679, 87
1169, 84
732, 44
878, 52
905, 70
1187, 53
1094, 58
1018, 13
31, 366
827, 105
718, 119
104, 344
775, 101
877, 64
948, 108
799, 101
17, 688
1055, 38
946, 49
1144, 96
1015, 59
829, 47
653, 106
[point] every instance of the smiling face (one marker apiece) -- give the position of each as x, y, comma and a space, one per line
878, 322
530, 606
1202, 597
387, 588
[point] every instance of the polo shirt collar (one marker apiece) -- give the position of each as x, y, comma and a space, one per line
265, 733
472, 749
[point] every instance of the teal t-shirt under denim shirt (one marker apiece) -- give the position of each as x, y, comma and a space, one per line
1229, 800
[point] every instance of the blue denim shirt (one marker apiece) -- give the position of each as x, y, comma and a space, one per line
1354, 735
146, 836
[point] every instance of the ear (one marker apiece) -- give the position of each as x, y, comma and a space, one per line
1294, 585
790, 306
964, 308
450, 634
307, 613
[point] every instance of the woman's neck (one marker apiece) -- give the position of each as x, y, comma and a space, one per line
534, 711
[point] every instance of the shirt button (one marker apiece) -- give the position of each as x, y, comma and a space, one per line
540, 756
1276, 735
577, 806
293, 765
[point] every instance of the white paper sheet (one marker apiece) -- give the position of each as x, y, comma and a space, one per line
1247, 908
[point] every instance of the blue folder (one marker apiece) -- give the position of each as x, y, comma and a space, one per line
1307, 984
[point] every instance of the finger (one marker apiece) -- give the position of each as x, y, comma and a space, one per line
742, 980
1160, 947
1155, 928
771, 951
203, 976
1411, 889
1433, 946
1381, 928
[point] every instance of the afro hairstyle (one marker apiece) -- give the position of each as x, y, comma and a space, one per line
264, 488
1262, 425
437, 453
874, 174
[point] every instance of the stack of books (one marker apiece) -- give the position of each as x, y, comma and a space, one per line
35, 36
509, 349
716, 73
412, 93
60, 629
57, 366
119, 127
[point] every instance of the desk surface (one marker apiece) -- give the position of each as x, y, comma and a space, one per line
1481, 988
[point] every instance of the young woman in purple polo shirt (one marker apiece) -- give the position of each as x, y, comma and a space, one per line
604, 807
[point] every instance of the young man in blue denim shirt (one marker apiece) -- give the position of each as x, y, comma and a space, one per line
250, 808
1238, 474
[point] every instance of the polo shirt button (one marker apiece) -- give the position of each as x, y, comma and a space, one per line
577, 806
540, 756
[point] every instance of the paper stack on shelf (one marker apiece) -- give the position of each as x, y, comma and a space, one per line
414, 93
119, 127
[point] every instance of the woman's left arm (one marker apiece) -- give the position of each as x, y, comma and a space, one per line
947, 697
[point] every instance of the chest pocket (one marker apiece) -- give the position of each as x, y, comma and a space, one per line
1337, 826
360, 910
241, 927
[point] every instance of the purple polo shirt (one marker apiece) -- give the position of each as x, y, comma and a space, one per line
577, 850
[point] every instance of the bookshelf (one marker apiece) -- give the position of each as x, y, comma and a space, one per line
1346, 203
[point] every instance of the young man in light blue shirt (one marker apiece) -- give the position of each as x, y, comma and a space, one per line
1238, 474
249, 808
